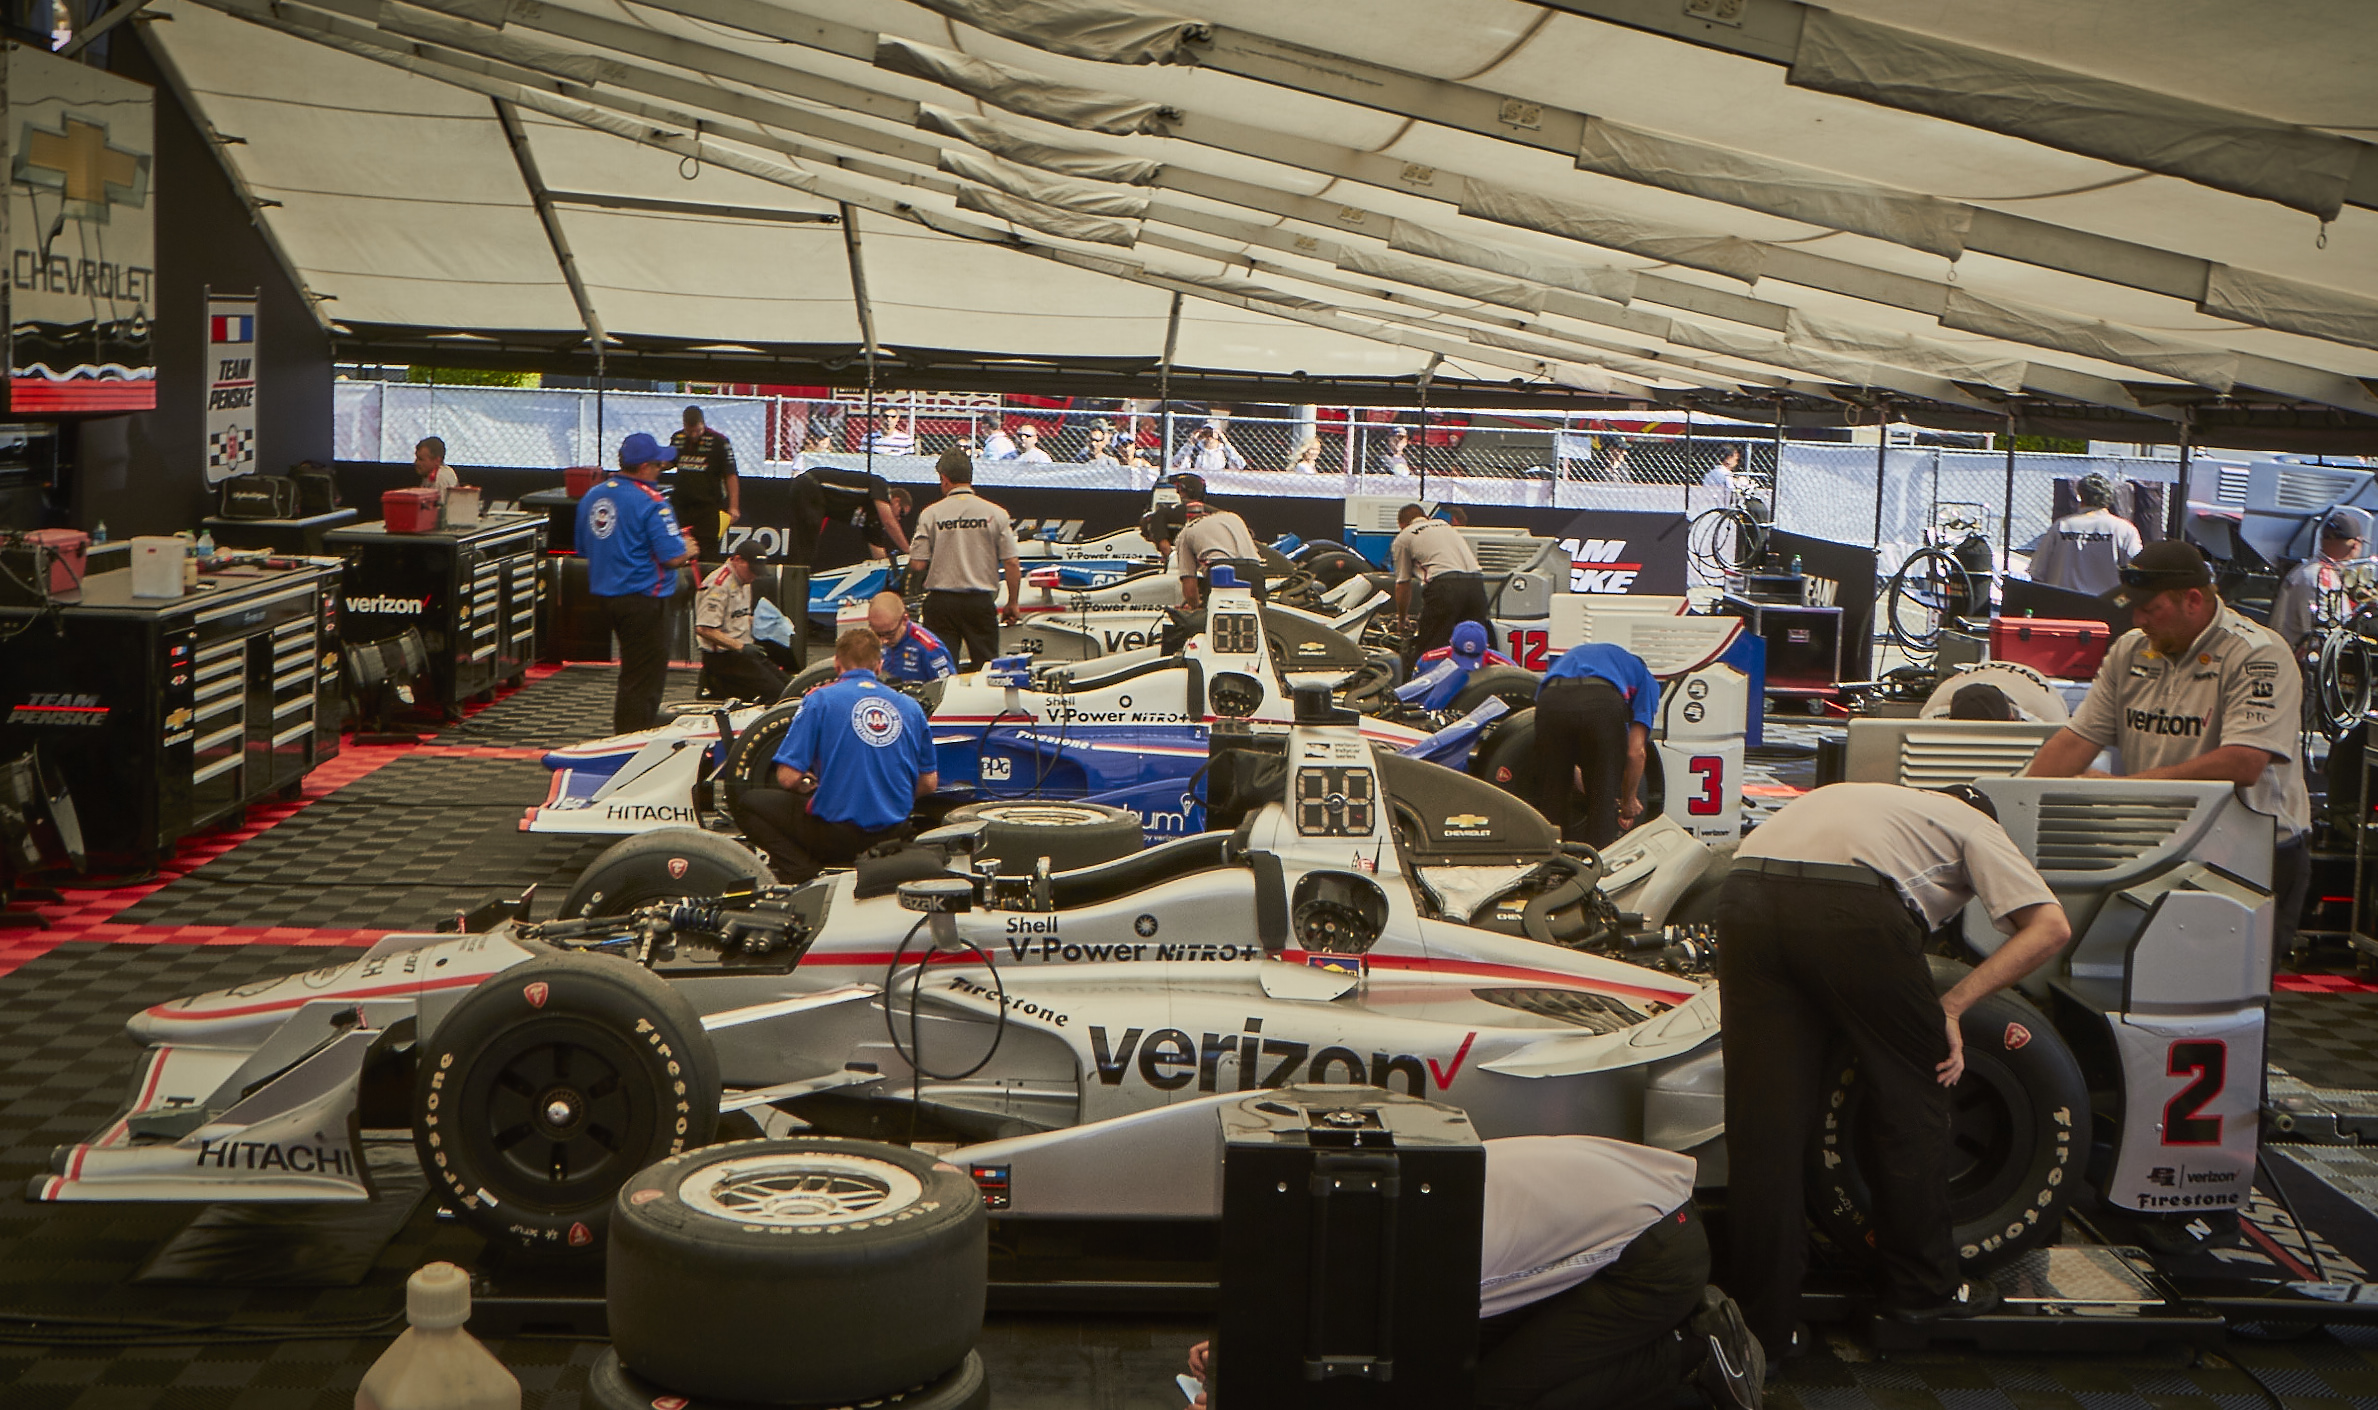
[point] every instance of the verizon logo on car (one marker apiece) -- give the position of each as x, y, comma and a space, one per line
1600, 565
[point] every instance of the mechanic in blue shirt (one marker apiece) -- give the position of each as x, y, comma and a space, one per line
1594, 714
910, 653
1444, 671
633, 548
857, 758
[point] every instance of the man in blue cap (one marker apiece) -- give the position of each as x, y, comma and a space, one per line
1443, 672
633, 549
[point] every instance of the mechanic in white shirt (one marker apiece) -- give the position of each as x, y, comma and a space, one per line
1593, 1287
429, 462
2086, 551
734, 666
1208, 536
2308, 582
1452, 589
1821, 930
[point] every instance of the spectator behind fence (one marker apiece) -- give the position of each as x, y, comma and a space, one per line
899, 438
1391, 458
1101, 447
998, 444
1028, 445
1308, 456
1209, 449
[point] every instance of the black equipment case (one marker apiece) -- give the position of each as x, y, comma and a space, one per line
259, 497
1350, 1250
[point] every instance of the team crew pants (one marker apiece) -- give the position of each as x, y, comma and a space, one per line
800, 844
640, 621
1581, 726
2291, 879
967, 621
743, 675
700, 519
1446, 601
1608, 1343
1811, 968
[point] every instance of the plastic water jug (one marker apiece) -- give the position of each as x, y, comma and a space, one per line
436, 1365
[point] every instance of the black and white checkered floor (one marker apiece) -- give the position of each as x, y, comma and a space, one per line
129, 1307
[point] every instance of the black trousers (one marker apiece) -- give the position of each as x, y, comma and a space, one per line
967, 622
1808, 970
2291, 878
640, 621
1581, 725
800, 844
700, 519
1607, 1344
1446, 601
743, 675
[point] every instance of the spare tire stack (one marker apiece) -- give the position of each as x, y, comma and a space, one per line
801, 1272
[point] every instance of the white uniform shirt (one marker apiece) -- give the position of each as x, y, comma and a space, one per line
1939, 852
1560, 1209
1209, 538
444, 479
963, 539
2238, 684
1427, 547
2299, 592
724, 605
2086, 552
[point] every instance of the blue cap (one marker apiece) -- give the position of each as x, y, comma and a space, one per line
640, 449
1469, 639
1222, 575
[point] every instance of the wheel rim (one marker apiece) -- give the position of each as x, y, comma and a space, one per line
1040, 815
1989, 1150
801, 1190
563, 1111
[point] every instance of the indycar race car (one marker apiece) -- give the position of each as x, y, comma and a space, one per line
1068, 1035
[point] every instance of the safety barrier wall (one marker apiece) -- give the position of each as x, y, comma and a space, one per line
1521, 461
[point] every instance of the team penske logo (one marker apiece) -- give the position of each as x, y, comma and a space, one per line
875, 721
603, 518
2163, 722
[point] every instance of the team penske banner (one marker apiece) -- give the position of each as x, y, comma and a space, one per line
81, 245
230, 386
1617, 552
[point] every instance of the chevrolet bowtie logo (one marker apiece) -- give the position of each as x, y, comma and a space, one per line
78, 162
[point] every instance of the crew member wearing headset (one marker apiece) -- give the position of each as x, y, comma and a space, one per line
2199, 692
910, 653
633, 549
962, 544
856, 759
1451, 589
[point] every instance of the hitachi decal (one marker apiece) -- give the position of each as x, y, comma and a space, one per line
389, 606
1169, 1059
2162, 722
271, 1155
648, 812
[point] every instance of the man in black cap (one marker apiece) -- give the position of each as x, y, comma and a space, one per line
734, 666
2308, 582
2199, 692
1207, 536
2085, 552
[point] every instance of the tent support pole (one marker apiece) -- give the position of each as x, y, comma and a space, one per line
866, 314
1420, 442
1882, 451
2006, 514
1172, 340
516, 136
2175, 514
85, 35
1775, 478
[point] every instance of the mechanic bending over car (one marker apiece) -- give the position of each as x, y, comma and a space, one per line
961, 544
633, 549
735, 666
2199, 692
1444, 671
910, 653
1593, 1289
1821, 929
856, 759
1594, 714
1208, 536
1451, 589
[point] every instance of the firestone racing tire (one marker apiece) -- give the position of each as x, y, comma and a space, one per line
1071, 835
751, 756
549, 1086
800, 1271
612, 1386
1507, 759
657, 865
1509, 684
2018, 1136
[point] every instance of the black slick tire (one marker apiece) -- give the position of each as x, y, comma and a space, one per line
1071, 835
752, 753
1506, 757
612, 1386
549, 1086
2019, 1137
666, 862
798, 1271
1509, 684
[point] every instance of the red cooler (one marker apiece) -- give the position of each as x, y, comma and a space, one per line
410, 511
581, 478
2052, 646
65, 548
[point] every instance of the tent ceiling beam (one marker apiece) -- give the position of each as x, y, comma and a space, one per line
704, 210
516, 137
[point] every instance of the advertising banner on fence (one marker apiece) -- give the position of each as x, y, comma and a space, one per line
230, 386
81, 244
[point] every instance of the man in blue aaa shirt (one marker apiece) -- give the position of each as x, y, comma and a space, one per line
633, 549
857, 758
1594, 715
910, 653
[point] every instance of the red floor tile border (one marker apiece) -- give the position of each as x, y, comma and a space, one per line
2323, 984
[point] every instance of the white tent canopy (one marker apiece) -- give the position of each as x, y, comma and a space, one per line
2022, 208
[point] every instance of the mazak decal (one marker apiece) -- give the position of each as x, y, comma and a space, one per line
1169, 1059
63, 710
1595, 565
